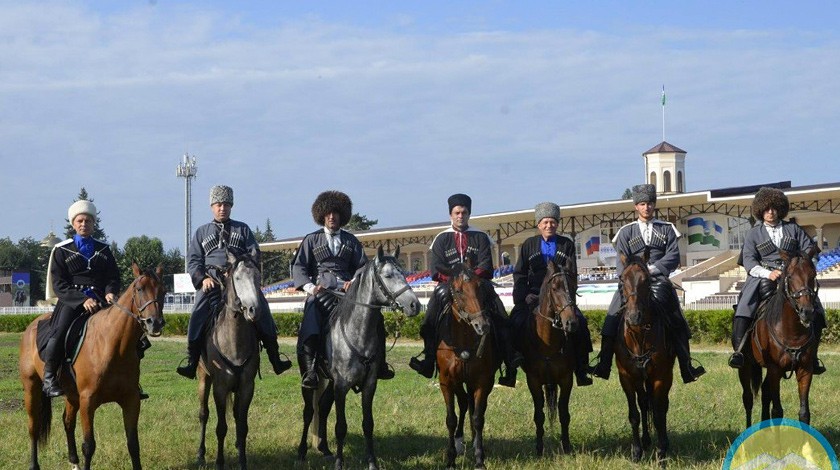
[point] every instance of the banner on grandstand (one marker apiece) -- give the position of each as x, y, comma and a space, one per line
704, 232
607, 254
20, 288
593, 245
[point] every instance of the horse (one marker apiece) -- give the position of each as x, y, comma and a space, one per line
107, 369
783, 341
353, 355
230, 358
548, 350
467, 361
645, 358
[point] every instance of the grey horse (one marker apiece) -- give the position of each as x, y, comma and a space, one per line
230, 359
352, 354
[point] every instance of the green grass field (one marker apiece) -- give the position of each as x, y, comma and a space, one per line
705, 417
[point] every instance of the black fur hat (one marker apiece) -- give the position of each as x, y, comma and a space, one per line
459, 200
766, 198
332, 201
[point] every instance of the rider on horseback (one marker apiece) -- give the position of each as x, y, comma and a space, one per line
208, 248
529, 273
327, 261
82, 270
459, 244
661, 238
760, 257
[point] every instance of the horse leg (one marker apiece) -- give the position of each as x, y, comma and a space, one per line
451, 422
241, 404
563, 411
771, 404
325, 404
340, 424
367, 422
633, 417
39, 410
131, 415
71, 408
220, 399
88, 411
464, 406
308, 412
643, 397
660, 404
204, 387
539, 413
803, 379
745, 376
480, 407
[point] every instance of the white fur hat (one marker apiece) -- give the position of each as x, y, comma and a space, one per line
81, 207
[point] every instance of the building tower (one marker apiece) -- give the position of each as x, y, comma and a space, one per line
665, 168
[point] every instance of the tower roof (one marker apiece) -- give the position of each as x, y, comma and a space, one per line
50, 240
664, 147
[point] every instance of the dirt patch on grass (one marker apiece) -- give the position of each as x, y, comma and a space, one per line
11, 404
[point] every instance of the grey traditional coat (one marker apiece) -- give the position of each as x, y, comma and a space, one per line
208, 249
664, 251
759, 250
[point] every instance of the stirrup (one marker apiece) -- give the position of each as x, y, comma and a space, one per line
736, 360
386, 372
426, 367
583, 379
279, 365
143, 395
309, 379
187, 370
53, 390
819, 367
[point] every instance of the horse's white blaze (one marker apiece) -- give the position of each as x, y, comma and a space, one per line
246, 288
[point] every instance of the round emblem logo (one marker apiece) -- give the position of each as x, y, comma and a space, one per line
780, 443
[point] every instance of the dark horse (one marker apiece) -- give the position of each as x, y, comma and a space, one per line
548, 350
645, 358
467, 360
107, 369
783, 340
230, 359
352, 354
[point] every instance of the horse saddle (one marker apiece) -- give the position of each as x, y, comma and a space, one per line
73, 340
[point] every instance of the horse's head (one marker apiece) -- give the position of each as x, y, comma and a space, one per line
465, 287
242, 284
800, 283
146, 293
634, 283
393, 289
557, 297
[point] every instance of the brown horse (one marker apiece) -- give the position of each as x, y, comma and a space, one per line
549, 357
467, 361
645, 358
107, 369
783, 340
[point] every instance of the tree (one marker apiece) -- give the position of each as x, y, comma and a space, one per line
627, 194
360, 222
98, 233
146, 252
267, 235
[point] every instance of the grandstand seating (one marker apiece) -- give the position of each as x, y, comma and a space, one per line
828, 260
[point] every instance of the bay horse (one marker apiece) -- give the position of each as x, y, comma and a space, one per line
467, 361
230, 358
548, 350
783, 340
353, 356
107, 369
645, 358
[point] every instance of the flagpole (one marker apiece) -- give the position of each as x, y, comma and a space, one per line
663, 113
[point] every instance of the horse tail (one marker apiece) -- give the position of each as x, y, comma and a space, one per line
317, 394
44, 424
551, 400
755, 379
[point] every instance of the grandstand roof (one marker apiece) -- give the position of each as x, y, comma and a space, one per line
665, 147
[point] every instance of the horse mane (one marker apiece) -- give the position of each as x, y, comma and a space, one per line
345, 304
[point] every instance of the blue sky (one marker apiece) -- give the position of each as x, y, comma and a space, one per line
400, 104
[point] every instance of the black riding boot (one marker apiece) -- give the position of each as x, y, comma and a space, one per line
53, 357
819, 368
386, 372
142, 346
605, 358
740, 325
688, 372
193, 353
513, 358
425, 366
581, 360
307, 361
272, 350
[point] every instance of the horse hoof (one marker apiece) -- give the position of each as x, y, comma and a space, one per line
459, 446
480, 466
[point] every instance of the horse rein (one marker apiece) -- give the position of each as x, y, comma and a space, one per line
643, 359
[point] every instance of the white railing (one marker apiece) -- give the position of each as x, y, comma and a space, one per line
24, 310
716, 302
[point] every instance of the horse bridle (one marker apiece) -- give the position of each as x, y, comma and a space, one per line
140, 308
462, 314
643, 359
792, 297
555, 321
391, 296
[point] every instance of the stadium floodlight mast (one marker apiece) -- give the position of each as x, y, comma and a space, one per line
187, 169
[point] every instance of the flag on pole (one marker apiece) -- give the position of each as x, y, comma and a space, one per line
663, 95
